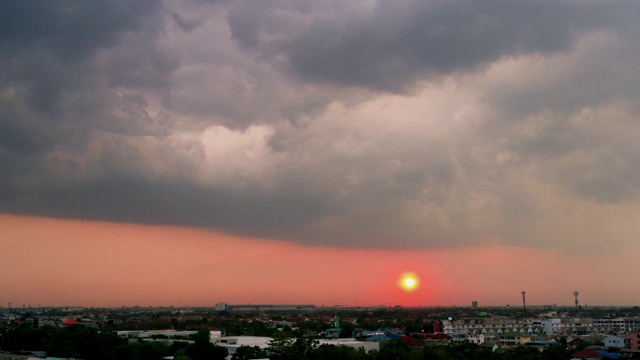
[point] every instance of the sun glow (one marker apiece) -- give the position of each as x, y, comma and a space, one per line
408, 281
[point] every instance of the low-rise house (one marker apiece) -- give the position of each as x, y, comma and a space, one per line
476, 339
413, 342
541, 344
437, 339
513, 338
493, 345
617, 341
587, 354
573, 343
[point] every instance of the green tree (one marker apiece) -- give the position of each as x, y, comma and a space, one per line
143, 350
203, 349
394, 350
557, 352
346, 330
25, 337
77, 341
248, 352
339, 352
524, 353
176, 346
282, 348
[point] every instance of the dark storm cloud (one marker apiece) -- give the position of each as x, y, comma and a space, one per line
129, 198
69, 28
54, 90
275, 118
395, 44
62, 63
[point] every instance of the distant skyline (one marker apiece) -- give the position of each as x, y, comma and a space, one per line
191, 152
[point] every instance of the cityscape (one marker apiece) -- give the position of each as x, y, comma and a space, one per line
306, 331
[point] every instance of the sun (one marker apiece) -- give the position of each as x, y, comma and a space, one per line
408, 281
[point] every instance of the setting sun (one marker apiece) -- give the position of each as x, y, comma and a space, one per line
408, 281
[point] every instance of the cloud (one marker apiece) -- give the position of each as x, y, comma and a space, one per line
392, 47
62, 64
357, 124
70, 29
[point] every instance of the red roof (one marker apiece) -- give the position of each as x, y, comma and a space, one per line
439, 336
575, 341
70, 322
411, 341
586, 353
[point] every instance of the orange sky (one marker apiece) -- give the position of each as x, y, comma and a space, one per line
68, 262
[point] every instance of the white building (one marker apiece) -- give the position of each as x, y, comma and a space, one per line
232, 343
476, 339
491, 327
616, 341
552, 326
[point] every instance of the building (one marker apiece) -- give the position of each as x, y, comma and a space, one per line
232, 343
587, 354
552, 326
437, 339
514, 338
476, 339
634, 341
617, 341
267, 307
493, 327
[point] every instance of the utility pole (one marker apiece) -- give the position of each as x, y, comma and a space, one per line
524, 305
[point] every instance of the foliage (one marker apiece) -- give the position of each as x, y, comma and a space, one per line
394, 350
25, 337
144, 350
340, 352
281, 348
248, 352
203, 349
558, 352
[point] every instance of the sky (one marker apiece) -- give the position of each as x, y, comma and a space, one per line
170, 153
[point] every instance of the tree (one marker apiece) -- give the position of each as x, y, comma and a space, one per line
177, 345
346, 330
203, 349
202, 336
339, 352
248, 352
281, 348
142, 350
557, 352
394, 350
